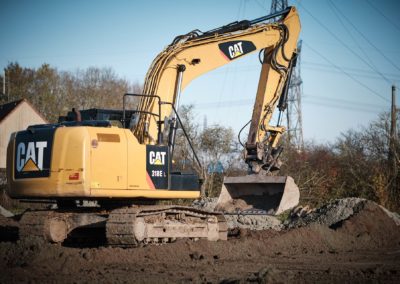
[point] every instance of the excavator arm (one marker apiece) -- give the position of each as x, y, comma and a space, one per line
196, 53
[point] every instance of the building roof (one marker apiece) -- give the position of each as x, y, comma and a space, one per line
6, 109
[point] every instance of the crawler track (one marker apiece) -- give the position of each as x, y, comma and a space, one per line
128, 226
34, 224
133, 226
55, 226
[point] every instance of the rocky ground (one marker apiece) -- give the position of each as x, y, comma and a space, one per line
348, 240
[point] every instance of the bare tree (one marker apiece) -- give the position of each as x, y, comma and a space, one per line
183, 155
355, 165
216, 143
55, 92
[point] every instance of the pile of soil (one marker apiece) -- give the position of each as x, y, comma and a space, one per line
362, 246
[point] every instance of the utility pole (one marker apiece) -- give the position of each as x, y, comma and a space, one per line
393, 142
4, 82
8, 88
294, 114
278, 5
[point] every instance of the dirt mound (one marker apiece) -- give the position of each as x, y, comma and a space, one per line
330, 214
334, 213
369, 228
344, 241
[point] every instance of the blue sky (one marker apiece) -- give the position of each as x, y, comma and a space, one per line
350, 54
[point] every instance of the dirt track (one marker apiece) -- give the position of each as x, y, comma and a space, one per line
365, 247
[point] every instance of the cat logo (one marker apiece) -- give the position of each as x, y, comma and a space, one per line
157, 158
234, 49
29, 157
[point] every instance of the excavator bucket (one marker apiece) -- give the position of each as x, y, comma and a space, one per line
256, 194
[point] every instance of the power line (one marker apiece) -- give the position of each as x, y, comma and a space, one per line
383, 15
334, 71
228, 70
341, 107
339, 40
321, 67
308, 99
341, 101
248, 103
366, 47
364, 37
349, 75
356, 71
306, 95
336, 11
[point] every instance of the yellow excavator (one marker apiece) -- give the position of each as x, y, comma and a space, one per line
122, 160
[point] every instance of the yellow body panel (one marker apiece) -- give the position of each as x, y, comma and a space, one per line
108, 158
92, 162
